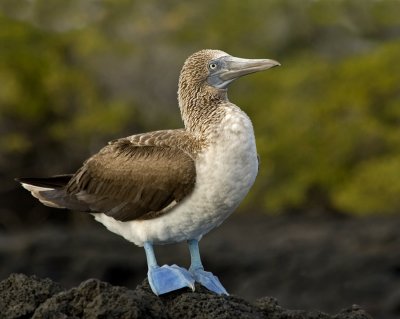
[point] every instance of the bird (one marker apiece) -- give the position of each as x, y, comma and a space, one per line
173, 185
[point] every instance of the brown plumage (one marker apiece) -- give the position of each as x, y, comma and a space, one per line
131, 178
199, 103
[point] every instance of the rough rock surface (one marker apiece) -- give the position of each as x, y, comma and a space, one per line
31, 297
306, 262
20, 295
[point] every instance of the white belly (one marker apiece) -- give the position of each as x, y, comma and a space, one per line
224, 174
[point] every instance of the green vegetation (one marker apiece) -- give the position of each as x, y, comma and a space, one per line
75, 74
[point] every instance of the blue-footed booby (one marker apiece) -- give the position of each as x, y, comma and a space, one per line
172, 185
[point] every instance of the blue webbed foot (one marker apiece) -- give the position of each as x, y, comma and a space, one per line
208, 280
205, 278
169, 278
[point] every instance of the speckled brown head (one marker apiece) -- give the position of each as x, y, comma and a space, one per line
204, 80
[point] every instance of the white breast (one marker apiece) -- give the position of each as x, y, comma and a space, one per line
225, 171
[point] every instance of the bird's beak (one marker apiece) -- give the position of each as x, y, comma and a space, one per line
232, 68
237, 67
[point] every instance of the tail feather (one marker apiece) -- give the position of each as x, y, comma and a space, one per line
56, 181
50, 191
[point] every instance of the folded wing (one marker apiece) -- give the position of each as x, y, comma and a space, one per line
133, 178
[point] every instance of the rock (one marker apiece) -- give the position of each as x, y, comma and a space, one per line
305, 262
20, 295
354, 312
96, 299
30, 297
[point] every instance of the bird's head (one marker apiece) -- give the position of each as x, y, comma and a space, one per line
206, 75
217, 69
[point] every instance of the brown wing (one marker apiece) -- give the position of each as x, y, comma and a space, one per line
130, 180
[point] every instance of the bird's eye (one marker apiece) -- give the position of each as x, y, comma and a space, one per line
212, 66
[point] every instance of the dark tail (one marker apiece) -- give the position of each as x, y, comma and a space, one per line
55, 182
51, 191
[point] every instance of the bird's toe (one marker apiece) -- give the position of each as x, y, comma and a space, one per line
169, 278
208, 280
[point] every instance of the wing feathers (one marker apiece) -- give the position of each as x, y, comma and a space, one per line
129, 182
139, 177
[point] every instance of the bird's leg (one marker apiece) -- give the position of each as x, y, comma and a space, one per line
205, 278
166, 278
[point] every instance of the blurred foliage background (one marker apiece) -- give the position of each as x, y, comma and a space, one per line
76, 74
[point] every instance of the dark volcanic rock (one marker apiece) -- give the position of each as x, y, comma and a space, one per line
30, 297
324, 263
96, 299
21, 295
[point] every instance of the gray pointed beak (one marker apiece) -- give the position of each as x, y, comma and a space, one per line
237, 67
231, 68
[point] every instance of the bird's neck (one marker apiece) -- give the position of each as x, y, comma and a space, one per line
201, 108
